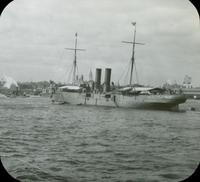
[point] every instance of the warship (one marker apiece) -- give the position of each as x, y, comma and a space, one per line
107, 94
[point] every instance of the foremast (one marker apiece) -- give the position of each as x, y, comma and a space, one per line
75, 49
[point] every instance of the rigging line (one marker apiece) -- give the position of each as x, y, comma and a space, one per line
137, 79
127, 74
77, 70
121, 76
70, 74
66, 72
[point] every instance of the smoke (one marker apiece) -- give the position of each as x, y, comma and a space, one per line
9, 81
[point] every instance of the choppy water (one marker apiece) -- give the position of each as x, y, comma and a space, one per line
49, 143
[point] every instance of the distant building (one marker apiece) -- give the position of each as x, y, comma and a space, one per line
187, 82
90, 76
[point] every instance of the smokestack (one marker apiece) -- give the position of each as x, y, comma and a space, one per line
107, 79
98, 78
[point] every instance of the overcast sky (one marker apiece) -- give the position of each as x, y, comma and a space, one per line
34, 33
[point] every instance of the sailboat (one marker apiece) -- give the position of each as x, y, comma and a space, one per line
107, 94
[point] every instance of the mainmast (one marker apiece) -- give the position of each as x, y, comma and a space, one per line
75, 49
133, 52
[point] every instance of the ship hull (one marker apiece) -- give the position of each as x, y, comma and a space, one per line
159, 102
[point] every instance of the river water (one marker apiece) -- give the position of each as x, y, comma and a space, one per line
43, 142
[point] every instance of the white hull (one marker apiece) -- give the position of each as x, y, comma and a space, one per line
166, 102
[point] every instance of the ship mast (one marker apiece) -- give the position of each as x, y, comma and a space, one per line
75, 49
133, 52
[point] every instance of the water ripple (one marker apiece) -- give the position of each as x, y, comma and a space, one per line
50, 143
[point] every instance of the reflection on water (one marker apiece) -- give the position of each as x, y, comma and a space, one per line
44, 142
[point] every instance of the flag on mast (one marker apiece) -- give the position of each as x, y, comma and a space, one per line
133, 23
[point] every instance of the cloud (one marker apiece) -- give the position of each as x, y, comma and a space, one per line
34, 34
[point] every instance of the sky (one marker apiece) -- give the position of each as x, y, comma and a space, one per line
35, 33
